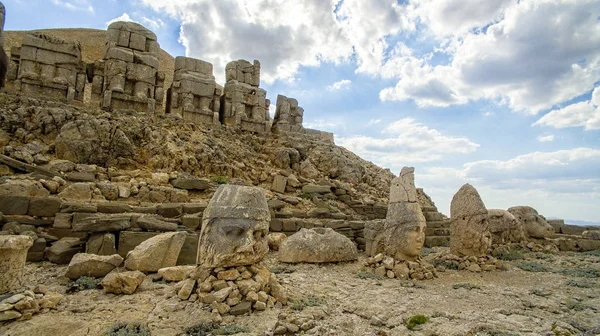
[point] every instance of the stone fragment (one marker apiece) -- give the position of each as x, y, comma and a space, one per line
241, 309
62, 251
470, 235
317, 245
279, 184
169, 210
234, 228
102, 223
9, 315
187, 289
275, 240
190, 183
176, 273
122, 282
156, 253
44, 206
534, 225
101, 244
62, 220
92, 265
13, 254
316, 189
113, 207
152, 223
403, 188
14, 205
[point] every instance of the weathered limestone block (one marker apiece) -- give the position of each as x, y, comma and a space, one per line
193, 93
101, 244
122, 282
288, 115
470, 235
504, 227
102, 223
50, 67
156, 253
244, 104
92, 265
403, 187
62, 251
319, 245
234, 228
128, 77
13, 254
535, 225
128, 240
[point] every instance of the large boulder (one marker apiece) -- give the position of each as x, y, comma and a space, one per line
535, 225
234, 228
156, 253
320, 245
470, 234
92, 265
13, 254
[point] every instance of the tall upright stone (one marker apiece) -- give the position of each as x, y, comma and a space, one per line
194, 95
244, 105
404, 228
3, 57
288, 115
470, 228
234, 228
127, 77
49, 67
13, 254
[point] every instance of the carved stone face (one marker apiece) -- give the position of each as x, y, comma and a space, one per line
534, 224
230, 242
404, 231
234, 228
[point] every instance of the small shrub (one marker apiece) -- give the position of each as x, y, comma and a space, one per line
305, 196
447, 264
220, 179
581, 273
467, 286
282, 269
532, 267
365, 275
231, 329
511, 255
594, 253
575, 305
579, 283
127, 329
83, 283
427, 251
416, 320
311, 301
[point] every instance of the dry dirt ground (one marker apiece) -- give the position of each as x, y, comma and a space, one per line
558, 294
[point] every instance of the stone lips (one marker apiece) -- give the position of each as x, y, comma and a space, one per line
319, 245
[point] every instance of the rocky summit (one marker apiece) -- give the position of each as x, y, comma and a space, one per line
140, 197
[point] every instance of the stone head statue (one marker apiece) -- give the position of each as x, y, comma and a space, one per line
533, 223
404, 231
504, 227
470, 234
234, 228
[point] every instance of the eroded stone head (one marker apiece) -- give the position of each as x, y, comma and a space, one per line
234, 228
504, 227
470, 235
404, 231
533, 223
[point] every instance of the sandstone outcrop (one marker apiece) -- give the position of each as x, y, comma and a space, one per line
470, 228
317, 246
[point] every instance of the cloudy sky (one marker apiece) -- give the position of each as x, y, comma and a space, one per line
503, 94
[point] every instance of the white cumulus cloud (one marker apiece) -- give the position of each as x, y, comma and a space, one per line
584, 114
546, 138
343, 84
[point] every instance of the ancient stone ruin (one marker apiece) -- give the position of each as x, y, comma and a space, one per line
288, 115
470, 228
244, 104
194, 95
534, 225
128, 77
49, 67
13, 253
